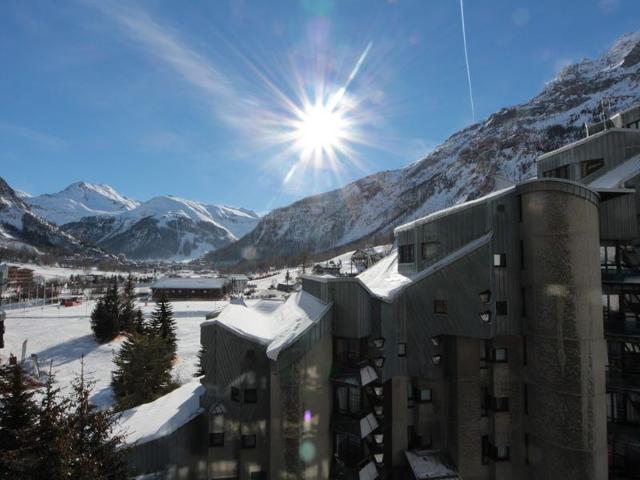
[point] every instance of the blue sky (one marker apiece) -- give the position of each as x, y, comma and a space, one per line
202, 99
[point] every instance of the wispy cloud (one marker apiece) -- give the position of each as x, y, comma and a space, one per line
32, 135
165, 45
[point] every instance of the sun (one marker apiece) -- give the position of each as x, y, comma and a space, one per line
320, 129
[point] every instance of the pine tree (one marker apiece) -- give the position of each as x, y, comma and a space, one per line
139, 325
200, 362
92, 441
18, 413
143, 370
163, 325
105, 316
50, 453
127, 306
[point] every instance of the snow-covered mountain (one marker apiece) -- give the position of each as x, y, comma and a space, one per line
79, 200
21, 229
468, 164
165, 228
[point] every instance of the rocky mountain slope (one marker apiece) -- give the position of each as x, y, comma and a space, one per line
22, 229
465, 166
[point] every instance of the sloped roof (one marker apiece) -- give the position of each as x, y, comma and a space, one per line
276, 327
192, 283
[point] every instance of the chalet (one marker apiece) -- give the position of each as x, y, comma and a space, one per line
191, 288
364, 258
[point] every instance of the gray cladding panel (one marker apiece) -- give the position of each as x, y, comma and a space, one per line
614, 147
618, 219
351, 309
459, 284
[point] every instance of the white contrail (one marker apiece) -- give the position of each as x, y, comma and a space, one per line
466, 59
340, 93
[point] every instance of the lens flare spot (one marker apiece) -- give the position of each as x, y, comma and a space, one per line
307, 416
307, 451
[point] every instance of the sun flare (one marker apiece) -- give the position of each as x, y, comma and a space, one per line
321, 129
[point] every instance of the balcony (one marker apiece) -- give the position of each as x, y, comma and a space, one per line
621, 324
619, 380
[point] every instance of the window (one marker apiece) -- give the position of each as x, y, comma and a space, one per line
348, 399
406, 254
484, 353
486, 450
560, 172
484, 406
216, 439
402, 349
425, 395
440, 306
501, 308
248, 441
235, 394
499, 355
258, 475
502, 453
429, 250
499, 260
250, 395
501, 404
588, 167
485, 297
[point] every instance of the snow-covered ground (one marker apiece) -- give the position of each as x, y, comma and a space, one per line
63, 335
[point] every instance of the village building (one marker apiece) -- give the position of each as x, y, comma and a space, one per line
178, 288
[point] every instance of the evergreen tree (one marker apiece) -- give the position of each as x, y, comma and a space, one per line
143, 370
18, 414
50, 453
94, 447
105, 316
199, 362
163, 325
127, 306
139, 325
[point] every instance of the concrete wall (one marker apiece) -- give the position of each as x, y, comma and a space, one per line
301, 400
564, 333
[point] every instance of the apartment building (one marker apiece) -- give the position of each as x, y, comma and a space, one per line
500, 339
608, 162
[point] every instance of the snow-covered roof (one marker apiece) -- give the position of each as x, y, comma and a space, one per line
193, 283
384, 280
455, 208
276, 327
617, 176
430, 465
163, 416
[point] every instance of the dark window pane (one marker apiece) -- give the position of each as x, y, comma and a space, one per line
248, 441
440, 306
235, 394
216, 439
501, 308
250, 395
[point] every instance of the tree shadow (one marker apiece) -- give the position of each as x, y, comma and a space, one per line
68, 351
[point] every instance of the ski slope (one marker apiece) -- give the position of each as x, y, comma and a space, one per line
63, 336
